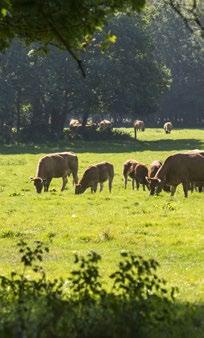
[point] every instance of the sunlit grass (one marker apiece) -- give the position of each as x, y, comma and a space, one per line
170, 230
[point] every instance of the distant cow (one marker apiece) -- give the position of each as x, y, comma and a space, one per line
179, 169
98, 173
74, 123
54, 166
105, 124
168, 127
138, 125
128, 168
139, 175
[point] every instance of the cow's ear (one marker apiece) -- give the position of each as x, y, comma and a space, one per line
31, 178
148, 179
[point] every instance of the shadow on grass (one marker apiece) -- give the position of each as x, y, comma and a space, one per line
111, 146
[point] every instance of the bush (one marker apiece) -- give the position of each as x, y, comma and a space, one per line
92, 134
80, 306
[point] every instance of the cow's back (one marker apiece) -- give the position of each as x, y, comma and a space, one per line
51, 165
71, 160
180, 167
105, 170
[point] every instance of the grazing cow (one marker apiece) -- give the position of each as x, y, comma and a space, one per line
74, 123
139, 174
196, 185
154, 167
138, 125
178, 169
54, 166
72, 164
168, 126
98, 173
128, 167
105, 124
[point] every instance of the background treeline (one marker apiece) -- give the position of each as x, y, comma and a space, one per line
153, 71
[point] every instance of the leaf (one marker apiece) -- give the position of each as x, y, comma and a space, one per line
4, 11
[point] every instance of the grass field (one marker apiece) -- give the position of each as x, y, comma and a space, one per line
171, 230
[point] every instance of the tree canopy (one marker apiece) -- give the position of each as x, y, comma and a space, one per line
67, 24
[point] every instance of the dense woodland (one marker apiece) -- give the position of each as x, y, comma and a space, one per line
151, 68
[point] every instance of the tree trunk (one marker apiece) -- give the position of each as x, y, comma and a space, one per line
84, 119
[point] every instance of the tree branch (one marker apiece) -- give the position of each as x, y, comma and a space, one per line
64, 42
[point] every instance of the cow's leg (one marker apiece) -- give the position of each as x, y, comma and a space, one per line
133, 184
125, 180
185, 188
64, 182
95, 187
135, 133
110, 180
101, 186
75, 178
47, 184
173, 189
143, 187
137, 184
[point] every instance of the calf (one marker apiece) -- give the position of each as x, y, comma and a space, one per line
139, 175
128, 167
98, 173
154, 167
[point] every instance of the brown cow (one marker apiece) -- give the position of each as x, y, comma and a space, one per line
72, 164
196, 185
179, 169
105, 124
138, 125
74, 123
98, 173
154, 167
168, 126
54, 166
128, 167
139, 174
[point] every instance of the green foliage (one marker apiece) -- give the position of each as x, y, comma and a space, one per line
82, 308
66, 24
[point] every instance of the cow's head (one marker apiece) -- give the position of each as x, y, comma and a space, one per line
78, 189
155, 185
38, 183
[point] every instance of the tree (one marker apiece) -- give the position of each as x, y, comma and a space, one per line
67, 24
182, 52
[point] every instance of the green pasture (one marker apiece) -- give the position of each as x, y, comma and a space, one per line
171, 230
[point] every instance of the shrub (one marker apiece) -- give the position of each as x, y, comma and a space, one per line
80, 306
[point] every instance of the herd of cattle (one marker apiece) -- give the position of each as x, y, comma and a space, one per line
75, 124
182, 168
